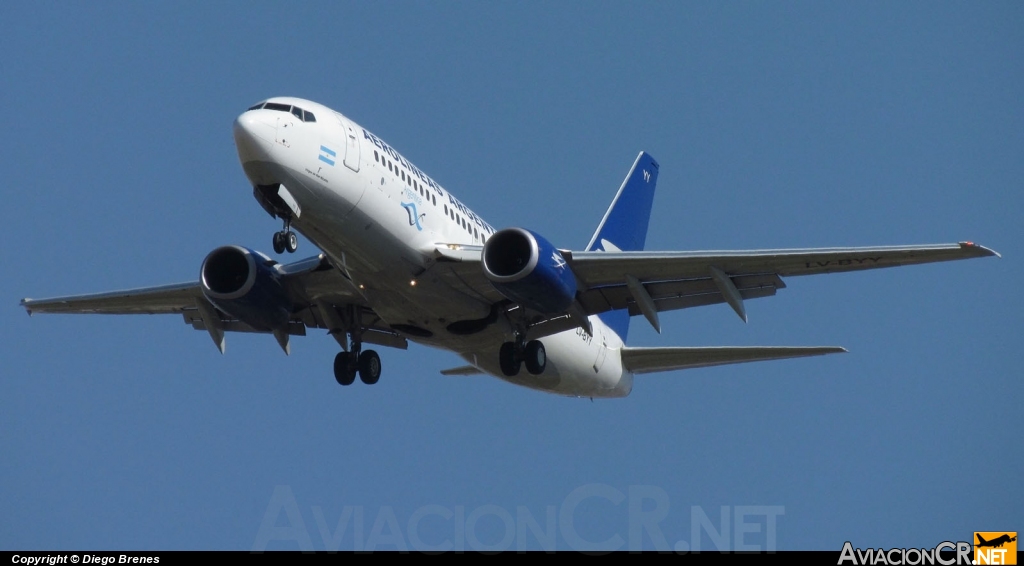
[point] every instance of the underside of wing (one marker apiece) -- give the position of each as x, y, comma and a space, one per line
598, 269
651, 282
318, 297
663, 281
649, 360
164, 299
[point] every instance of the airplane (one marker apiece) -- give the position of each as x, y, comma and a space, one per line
996, 542
402, 259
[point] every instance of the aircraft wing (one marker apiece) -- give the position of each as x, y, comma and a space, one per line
321, 298
674, 280
602, 268
651, 282
164, 299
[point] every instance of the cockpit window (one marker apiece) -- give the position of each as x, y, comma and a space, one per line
304, 115
277, 106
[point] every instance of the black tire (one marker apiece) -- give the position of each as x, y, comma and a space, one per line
344, 369
508, 360
369, 367
278, 243
291, 242
536, 357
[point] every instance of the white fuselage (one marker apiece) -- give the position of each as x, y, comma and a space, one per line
379, 220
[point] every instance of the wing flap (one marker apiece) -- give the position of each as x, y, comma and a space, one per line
649, 360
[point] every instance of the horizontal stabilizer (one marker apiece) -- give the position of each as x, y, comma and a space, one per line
648, 360
462, 370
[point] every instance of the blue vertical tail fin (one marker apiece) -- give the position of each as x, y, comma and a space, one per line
624, 226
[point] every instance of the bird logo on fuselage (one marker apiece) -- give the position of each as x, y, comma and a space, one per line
414, 215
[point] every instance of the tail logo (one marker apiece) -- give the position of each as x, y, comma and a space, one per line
647, 176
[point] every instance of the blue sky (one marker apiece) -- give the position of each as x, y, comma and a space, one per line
794, 125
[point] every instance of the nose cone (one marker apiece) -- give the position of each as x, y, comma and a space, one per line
254, 138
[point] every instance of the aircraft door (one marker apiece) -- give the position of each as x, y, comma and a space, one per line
351, 144
602, 353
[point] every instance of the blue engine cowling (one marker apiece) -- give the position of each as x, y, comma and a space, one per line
529, 270
244, 284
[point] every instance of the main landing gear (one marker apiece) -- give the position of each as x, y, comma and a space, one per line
367, 363
513, 354
286, 240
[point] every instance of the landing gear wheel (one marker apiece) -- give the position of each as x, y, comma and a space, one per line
291, 241
279, 242
509, 360
536, 357
345, 368
369, 367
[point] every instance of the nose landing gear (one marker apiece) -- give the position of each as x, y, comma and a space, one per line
286, 240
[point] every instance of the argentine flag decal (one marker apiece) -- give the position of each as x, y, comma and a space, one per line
327, 155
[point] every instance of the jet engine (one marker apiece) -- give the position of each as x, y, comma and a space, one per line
529, 270
245, 284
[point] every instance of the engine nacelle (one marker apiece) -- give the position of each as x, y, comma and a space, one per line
242, 283
529, 270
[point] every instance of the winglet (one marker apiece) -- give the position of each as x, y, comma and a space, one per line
980, 251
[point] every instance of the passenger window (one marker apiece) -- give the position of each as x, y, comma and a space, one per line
375, 156
389, 167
